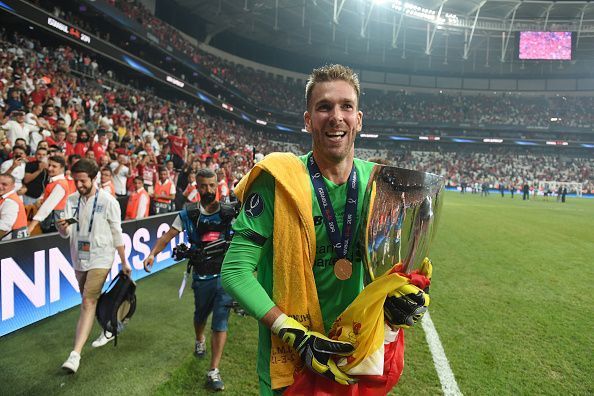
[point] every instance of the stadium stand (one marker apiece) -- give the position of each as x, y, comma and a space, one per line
504, 109
63, 89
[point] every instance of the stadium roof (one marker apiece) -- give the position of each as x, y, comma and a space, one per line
477, 36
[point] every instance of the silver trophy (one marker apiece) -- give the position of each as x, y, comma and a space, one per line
403, 209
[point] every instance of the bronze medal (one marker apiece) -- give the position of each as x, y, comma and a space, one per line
343, 269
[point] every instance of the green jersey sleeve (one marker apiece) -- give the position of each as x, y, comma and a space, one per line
255, 220
251, 241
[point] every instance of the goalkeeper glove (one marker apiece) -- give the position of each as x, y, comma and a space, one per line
405, 306
315, 349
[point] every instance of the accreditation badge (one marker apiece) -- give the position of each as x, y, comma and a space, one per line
84, 250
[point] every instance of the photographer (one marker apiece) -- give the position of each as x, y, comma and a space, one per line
208, 224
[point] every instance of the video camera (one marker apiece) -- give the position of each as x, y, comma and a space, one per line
203, 253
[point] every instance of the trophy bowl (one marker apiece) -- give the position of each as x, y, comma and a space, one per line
403, 211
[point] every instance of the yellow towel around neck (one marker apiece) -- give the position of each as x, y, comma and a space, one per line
294, 243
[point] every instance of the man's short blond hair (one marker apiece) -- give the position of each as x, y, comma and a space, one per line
329, 73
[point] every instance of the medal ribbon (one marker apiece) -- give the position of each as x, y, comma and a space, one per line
341, 243
76, 212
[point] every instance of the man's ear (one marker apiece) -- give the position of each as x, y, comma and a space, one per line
359, 121
307, 121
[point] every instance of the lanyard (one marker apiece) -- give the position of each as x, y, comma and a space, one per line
92, 213
342, 242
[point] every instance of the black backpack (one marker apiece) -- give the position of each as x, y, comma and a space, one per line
117, 305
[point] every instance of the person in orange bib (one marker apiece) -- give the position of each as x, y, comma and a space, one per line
54, 197
191, 191
13, 218
223, 187
164, 193
107, 181
138, 203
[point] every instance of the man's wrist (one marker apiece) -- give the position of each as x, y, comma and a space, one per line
278, 323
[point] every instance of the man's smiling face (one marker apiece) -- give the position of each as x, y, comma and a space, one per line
333, 119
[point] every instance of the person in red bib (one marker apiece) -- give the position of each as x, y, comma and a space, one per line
107, 181
164, 193
138, 203
13, 218
54, 197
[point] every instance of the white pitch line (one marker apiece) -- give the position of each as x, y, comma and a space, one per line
449, 386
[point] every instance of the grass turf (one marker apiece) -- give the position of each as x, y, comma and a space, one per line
510, 301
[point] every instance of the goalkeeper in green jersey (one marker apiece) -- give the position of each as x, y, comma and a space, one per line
297, 228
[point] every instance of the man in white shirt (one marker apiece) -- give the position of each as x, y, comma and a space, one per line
94, 240
120, 174
13, 218
41, 127
17, 128
120, 177
16, 167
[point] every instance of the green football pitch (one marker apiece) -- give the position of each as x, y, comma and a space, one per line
511, 302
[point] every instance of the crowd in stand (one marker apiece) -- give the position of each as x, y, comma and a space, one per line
502, 109
496, 169
278, 93
144, 145
148, 148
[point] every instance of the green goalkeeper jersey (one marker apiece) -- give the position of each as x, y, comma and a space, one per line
252, 250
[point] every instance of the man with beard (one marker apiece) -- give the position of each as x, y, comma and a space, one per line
54, 197
207, 223
94, 239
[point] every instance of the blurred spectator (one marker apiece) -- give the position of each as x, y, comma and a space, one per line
191, 191
54, 197
164, 193
17, 128
139, 201
13, 218
107, 181
36, 176
16, 168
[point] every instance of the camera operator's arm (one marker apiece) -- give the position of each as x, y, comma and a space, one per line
158, 248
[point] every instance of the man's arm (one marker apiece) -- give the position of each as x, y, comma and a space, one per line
115, 225
48, 205
116, 170
126, 269
253, 235
158, 248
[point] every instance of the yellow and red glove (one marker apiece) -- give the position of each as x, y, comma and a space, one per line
406, 305
315, 349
